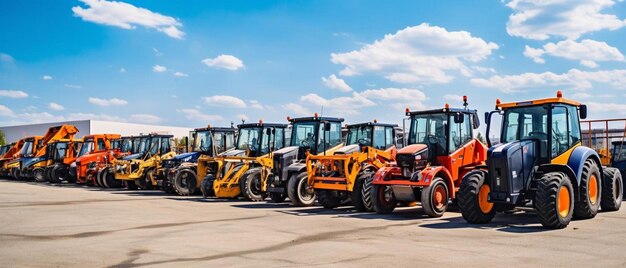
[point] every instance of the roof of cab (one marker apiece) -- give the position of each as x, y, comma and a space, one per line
555, 100
371, 124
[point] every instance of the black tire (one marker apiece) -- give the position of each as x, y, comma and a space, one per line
56, 174
97, 181
250, 185
471, 198
47, 175
383, 199
130, 185
16, 173
366, 192
207, 186
435, 198
108, 178
298, 192
357, 192
552, 213
185, 182
277, 197
612, 189
329, 199
589, 196
38, 174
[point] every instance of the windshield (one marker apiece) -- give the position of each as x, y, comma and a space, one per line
249, 139
60, 149
27, 149
619, 151
525, 123
360, 135
202, 142
142, 145
154, 145
86, 148
127, 145
303, 134
4, 149
116, 144
430, 129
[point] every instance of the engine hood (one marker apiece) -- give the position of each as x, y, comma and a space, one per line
187, 157
131, 157
91, 156
348, 149
412, 149
27, 162
286, 150
233, 152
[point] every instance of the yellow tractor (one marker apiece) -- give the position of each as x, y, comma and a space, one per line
180, 173
283, 172
229, 173
140, 170
340, 177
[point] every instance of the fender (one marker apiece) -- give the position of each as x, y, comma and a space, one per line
577, 160
296, 167
383, 173
428, 174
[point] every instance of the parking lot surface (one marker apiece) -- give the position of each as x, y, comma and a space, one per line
78, 226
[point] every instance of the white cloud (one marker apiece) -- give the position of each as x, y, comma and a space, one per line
228, 62
336, 83
574, 78
15, 94
72, 86
603, 107
588, 52
343, 105
38, 117
179, 74
255, 104
420, 53
6, 58
158, 68
225, 101
196, 115
55, 106
397, 97
46, 77
297, 109
109, 102
145, 118
453, 97
5, 111
538, 20
127, 16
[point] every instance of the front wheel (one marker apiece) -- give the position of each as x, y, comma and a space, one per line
250, 184
435, 198
554, 200
298, 191
328, 199
590, 190
207, 186
473, 198
38, 174
184, 182
357, 194
366, 192
612, 189
383, 199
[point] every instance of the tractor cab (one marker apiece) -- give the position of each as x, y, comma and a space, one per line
371, 134
618, 155
258, 139
212, 141
158, 145
58, 151
31, 146
315, 134
4, 149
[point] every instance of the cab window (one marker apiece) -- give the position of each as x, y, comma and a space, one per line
560, 128
330, 138
389, 137
379, 138
101, 145
460, 133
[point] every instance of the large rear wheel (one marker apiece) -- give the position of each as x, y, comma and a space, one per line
366, 192
383, 199
38, 174
612, 189
207, 186
184, 182
298, 191
250, 184
357, 194
435, 198
590, 190
554, 200
473, 198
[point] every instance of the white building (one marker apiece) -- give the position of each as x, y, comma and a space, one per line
87, 127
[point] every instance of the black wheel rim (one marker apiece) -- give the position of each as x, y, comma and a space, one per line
302, 189
385, 195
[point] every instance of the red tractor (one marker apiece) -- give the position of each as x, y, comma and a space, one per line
97, 150
442, 148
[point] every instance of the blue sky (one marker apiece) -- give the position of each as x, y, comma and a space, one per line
193, 63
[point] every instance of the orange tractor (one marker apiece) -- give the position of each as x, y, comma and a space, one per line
442, 148
34, 167
61, 154
27, 151
11, 153
340, 177
97, 150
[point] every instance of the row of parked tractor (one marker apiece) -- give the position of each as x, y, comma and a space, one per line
534, 158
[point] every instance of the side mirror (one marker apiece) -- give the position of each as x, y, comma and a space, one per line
459, 118
583, 111
487, 114
327, 126
476, 121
